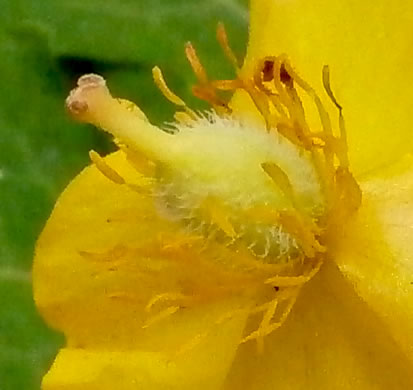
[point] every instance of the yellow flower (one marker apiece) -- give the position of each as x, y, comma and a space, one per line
167, 263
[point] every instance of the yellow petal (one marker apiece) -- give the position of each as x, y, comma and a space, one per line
93, 217
368, 48
203, 367
376, 251
331, 340
92, 282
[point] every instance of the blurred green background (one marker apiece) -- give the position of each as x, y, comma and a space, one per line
45, 45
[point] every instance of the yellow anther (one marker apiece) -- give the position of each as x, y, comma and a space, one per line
164, 297
302, 231
161, 84
263, 214
280, 179
297, 225
208, 94
289, 132
265, 323
318, 142
138, 161
266, 327
145, 184
323, 114
218, 215
179, 241
160, 316
261, 102
183, 118
264, 73
205, 90
226, 85
118, 252
122, 296
105, 169
279, 86
201, 336
173, 98
295, 281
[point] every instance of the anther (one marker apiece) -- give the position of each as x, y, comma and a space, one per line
172, 97
285, 76
195, 63
105, 169
223, 41
280, 178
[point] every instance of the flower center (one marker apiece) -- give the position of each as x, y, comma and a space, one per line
224, 172
271, 184
268, 184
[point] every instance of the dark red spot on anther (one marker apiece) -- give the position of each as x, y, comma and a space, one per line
268, 70
285, 76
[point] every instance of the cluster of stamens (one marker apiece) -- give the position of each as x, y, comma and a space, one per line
274, 88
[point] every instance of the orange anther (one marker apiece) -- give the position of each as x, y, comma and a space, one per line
223, 41
195, 63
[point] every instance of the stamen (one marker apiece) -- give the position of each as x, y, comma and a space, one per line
327, 86
260, 333
266, 320
184, 118
266, 329
163, 87
204, 90
160, 316
300, 229
296, 224
295, 281
324, 117
179, 241
283, 79
138, 161
111, 256
201, 336
218, 215
226, 85
208, 94
281, 179
223, 41
268, 70
164, 297
195, 63
294, 106
262, 104
283, 96
264, 73
105, 169
343, 149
